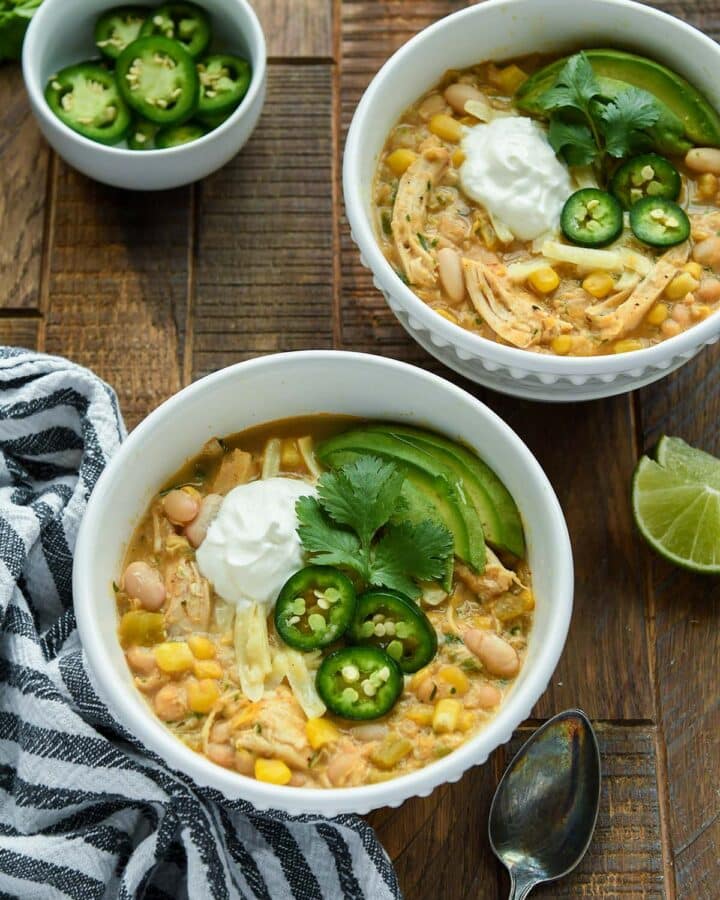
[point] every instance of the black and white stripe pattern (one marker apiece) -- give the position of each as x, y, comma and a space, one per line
84, 812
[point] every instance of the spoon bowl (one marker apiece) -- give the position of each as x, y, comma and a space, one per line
545, 808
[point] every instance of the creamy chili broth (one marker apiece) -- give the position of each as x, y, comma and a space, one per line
462, 262
179, 642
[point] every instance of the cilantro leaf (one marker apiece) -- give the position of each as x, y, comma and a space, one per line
327, 544
409, 550
575, 143
362, 494
625, 119
576, 86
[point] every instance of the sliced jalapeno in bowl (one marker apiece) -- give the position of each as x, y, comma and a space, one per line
182, 22
649, 175
396, 625
224, 80
315, 607
591, 218
177, 135
118, 27
359, 682
86, 98
659, 223
157, 78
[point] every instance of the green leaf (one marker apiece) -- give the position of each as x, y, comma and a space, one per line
406, 551
327, 544
574, 142
362, 494
575, 87
625, 118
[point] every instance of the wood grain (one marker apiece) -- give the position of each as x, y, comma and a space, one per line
297, 30
23, 186
19, 332
118, 281
264, 267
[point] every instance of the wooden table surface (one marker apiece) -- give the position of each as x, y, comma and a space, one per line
153, 291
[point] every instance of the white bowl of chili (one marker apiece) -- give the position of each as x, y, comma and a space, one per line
502, 30
297, 384
61, 35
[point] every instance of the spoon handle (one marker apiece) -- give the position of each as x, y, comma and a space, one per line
520, 887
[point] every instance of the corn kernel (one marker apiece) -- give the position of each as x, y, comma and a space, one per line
694, 268
446, 128
458, 158
446, 314
627, 345
174, 656
700, 311
202, 647
483, 622
320, 732
421, 715
456, 678
707, 185
544, 280
446, 716
400, 160
529, 600
681, 285
561, 344
657, 314
202, 695
467, 720
272, 771
470, 121
418, 678
290, 455
508, 78
598, 284
207, 668
389, 753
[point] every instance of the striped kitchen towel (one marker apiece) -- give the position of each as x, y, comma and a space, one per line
84, 812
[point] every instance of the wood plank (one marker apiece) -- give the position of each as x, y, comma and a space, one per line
118, 282
439, 844
297, 30
19, 331
24, 155
264, 268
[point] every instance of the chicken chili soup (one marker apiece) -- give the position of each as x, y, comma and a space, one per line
326, 602
565, 206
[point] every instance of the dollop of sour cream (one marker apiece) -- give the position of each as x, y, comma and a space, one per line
252, 546
512, 170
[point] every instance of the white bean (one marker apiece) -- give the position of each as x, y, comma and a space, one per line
709, 290
497, 656
141, 582
222, 754
209, 508
141, 659
681, 313
451, 274
458, 94
340, 767
670, 328
171, 702
488, 696
707, 252
703, 159
180, 507
368, 733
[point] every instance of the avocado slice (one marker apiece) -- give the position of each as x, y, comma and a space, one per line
677, 98
498, 513
438, 486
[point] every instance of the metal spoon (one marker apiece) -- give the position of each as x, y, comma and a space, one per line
544, 810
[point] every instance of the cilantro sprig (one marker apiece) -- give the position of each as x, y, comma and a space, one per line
586, 127
356, 522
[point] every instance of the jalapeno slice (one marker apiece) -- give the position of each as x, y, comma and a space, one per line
224, 80
177, 135
398, 626
591, 218
85, 97
119, 27
359, 682
659, 223
141, 135
157, 78
315, 607
182, 22
646, 176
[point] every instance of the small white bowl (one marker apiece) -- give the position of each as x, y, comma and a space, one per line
497, 30
61, 34
293, 384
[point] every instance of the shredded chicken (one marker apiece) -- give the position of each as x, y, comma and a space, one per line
495, 578
188, 598
617, 318
510, 311
236, 468
275, 728
410, 212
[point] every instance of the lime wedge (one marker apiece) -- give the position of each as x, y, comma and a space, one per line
676, 509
